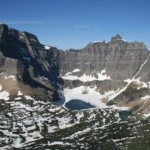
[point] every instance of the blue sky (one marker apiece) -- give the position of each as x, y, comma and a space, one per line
74, 23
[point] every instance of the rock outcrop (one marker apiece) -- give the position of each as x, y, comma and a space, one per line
32, 64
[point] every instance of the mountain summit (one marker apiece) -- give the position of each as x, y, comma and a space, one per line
116, 38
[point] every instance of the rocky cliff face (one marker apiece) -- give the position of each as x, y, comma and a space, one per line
116, 60
27, 63
109, 68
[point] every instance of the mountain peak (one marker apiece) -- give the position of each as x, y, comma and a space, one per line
3, 27
2, 24
117, 37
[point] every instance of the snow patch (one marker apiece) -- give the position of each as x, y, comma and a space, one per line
96, 42
147, 115
109, 93
9, 114
11, 76
123, 40
47, 47
19, 93
17, 143
17, 98
92, 96
128, 80
87, 78
79, 115
58, 143
4, 95
120, 108
76, 70
28, 97
145, 98
144, 85
52, 128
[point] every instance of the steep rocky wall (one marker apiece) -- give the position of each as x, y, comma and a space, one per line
26, 59
120, 60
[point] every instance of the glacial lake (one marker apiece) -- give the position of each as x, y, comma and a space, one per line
76, 104
124, 114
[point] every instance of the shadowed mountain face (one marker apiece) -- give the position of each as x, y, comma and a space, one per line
32, 64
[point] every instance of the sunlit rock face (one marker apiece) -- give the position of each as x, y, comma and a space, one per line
114, 60
106, 67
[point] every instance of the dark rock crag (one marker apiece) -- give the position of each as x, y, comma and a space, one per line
34, 66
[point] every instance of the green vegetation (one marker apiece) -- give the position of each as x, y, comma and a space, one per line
61, 129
